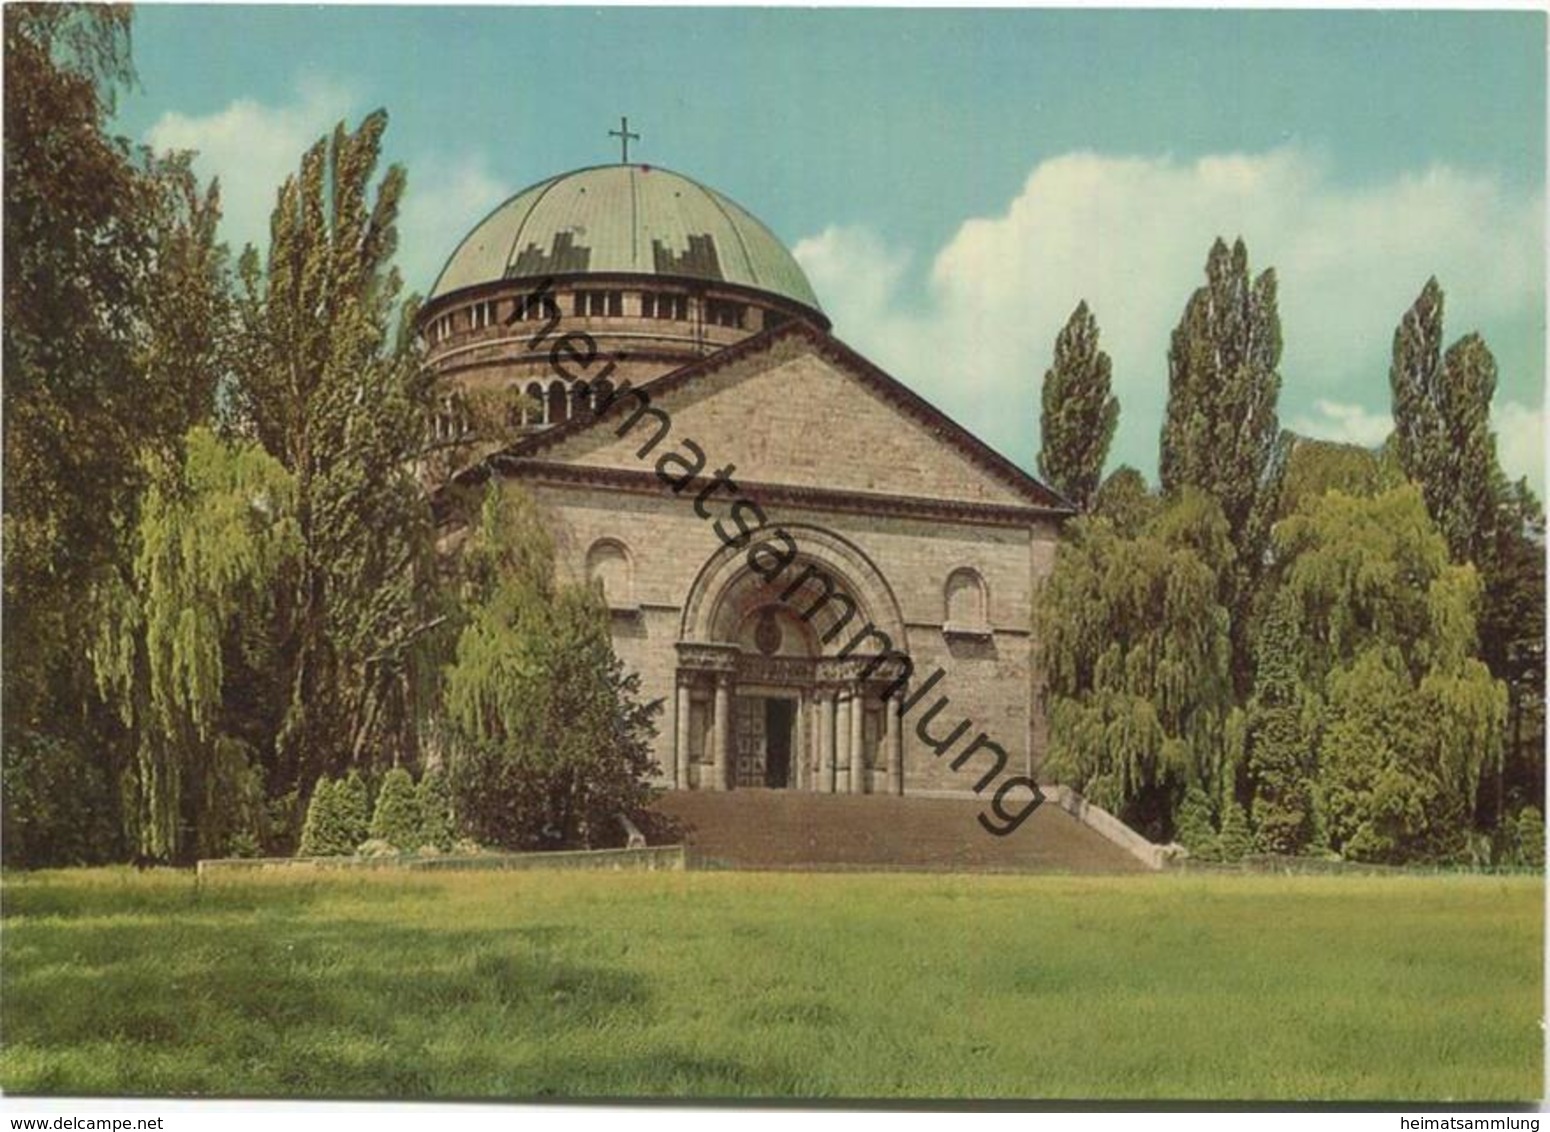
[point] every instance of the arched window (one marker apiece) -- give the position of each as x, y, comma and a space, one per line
967, 602
559, 404
580, 399
451, 419
602, 394
608, 565
533, 410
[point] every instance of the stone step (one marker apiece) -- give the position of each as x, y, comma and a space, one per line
789, 829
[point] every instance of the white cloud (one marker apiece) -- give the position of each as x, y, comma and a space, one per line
1130, 235
1348, 424
1520, 442
854, 267
252, 148
446, 197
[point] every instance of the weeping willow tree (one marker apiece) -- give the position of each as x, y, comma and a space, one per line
1411, 719
549, 741
1138, 662
216, 532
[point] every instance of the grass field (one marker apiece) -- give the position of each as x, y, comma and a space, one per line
763, 985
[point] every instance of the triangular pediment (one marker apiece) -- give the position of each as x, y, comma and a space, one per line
795, 408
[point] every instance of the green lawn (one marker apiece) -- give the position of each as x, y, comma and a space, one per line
767, 985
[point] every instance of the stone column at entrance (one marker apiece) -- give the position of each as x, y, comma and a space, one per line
721, 733
681, 746
843, 753
895, 724
857, 742
799, 744
826, 741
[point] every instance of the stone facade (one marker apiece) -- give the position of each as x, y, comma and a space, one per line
829, 584
939, 545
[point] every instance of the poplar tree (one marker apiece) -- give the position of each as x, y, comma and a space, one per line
1442, 424
1079, 411
1444, 443
330, 385
1415, 381
1220, 432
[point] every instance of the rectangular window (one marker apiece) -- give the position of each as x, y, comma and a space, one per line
597, 304
719, 312
665, 307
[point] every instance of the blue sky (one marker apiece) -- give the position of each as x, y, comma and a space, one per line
954, 182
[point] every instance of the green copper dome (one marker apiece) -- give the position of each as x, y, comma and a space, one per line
634, 219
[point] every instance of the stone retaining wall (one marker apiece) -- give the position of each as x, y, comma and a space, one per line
657, 858
1106, 825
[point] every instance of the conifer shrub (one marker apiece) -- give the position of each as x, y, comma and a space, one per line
1236, 842
435, 798
1194, 830
325, 833
397, 818
354, 802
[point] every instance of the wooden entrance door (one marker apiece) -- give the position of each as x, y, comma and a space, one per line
748, 739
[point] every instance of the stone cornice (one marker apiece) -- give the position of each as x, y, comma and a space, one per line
792, 339
816, 498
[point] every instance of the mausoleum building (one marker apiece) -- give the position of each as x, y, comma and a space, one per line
829, 583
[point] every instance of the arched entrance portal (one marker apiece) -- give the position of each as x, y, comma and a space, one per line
782, 675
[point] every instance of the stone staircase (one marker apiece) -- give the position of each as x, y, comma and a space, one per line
788, 829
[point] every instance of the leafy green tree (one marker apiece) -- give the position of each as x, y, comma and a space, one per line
1136, 654
1126, 502
60, 805
1512, 639
1410, 719
397, 819
1314, 467
1220, 432
1080, 413
1280, 745
1531, 837
1385, 802
330, 385
550, 743
114, 337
